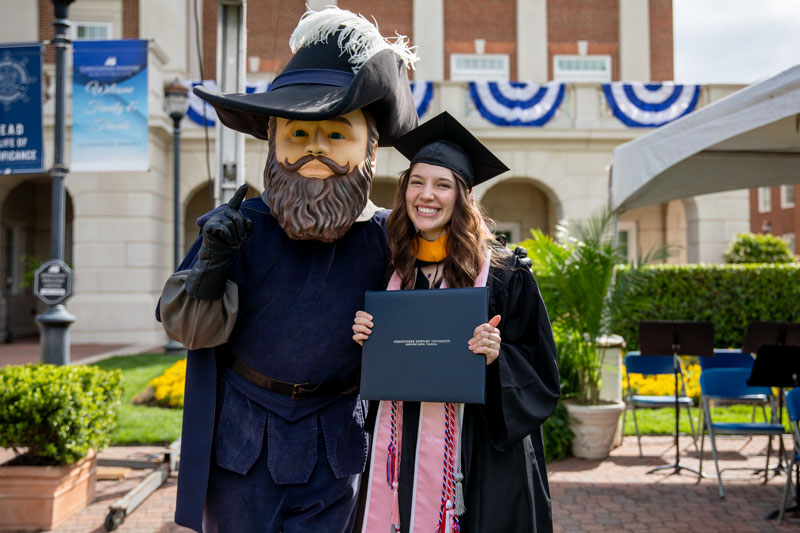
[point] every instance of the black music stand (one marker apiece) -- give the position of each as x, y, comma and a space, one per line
778, 334
777, 365
674, 337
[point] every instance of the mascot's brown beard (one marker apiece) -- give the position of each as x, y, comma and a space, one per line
313, 208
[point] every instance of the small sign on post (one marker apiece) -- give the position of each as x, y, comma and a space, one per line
52, 282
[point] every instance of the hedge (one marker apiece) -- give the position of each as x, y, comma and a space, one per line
56, 414
730, 296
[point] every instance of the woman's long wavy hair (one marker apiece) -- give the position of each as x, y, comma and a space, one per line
467, 240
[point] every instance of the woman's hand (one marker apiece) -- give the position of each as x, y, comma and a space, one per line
486, 339
362, 327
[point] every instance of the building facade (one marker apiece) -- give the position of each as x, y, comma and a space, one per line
773, 210
119, 224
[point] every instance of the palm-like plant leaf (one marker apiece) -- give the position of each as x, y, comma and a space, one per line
576, 277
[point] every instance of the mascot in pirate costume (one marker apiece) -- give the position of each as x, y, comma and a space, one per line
273, 430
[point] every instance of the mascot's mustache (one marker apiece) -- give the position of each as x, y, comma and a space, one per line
335, 167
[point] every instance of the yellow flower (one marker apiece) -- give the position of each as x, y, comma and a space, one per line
664, 384
169, 386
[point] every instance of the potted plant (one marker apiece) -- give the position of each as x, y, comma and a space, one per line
55, 419
576, 278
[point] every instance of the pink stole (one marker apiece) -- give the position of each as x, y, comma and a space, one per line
431, 465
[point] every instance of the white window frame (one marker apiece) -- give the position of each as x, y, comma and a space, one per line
577, 75
785, 202
764, 199
109, 27
477, 74
633, 238
790, 242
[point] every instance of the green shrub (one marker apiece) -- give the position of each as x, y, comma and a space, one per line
557, 435
56, 414
555, 430
730, 296
756, 248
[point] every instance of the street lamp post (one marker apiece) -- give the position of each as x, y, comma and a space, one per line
176, 97
56, 320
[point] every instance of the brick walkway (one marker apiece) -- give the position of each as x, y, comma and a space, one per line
28, 350
618, 495
611, 495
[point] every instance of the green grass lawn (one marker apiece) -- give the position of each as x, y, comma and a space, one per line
662, 421
139, 424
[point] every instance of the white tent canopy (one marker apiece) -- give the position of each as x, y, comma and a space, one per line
748, 139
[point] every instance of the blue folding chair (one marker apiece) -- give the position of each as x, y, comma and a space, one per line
653, 365
729, 385
735, 358
727, 358
793, 407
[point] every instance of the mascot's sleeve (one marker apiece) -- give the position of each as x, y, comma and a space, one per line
193, 322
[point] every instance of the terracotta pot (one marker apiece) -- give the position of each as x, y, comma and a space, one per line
594, 427
36, 498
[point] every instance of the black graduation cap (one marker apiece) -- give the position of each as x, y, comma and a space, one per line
341, 63
444, 142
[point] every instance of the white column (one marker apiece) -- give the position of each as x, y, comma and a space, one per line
634, 40
193, 54
532, 40
714, 224
316, 5
231, 48
157, 21
21, 23
429, 37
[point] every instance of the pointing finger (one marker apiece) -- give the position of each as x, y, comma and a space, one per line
238, 197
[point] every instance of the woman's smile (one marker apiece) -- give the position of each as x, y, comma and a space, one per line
427, 211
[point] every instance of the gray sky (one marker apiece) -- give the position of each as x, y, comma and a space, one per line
735, 41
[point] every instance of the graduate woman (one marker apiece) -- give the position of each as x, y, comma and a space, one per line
486, 473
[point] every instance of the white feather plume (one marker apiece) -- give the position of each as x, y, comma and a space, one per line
359, 38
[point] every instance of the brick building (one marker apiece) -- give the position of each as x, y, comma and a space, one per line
529, 39
774, 210
119, 225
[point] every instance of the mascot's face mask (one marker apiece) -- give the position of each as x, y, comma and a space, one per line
318, 179
319, 149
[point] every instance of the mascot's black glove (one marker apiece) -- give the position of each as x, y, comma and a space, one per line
223, 235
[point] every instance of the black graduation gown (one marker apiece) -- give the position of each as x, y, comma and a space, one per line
505, 481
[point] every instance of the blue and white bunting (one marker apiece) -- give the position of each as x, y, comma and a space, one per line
649, 105
196, 104
516, 103
422, 91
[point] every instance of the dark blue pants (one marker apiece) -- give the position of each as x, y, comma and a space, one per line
254, 503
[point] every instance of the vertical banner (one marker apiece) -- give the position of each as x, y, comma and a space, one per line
21, 144
109, 106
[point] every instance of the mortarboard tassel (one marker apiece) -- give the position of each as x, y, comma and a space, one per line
460, 507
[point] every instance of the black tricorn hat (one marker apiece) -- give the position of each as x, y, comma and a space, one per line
341, 64
444, 142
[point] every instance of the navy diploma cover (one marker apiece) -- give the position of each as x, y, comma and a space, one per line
418, 347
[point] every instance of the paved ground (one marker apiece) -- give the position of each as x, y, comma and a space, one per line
611, 495
618, 495
28, 350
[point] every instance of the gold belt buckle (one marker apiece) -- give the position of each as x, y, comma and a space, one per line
296, 389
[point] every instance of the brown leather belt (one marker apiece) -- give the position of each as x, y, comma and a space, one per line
297, 391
